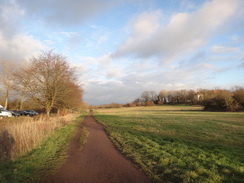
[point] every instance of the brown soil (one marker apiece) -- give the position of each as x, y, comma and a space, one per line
98, 162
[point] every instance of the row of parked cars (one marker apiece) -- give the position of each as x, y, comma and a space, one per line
7, 113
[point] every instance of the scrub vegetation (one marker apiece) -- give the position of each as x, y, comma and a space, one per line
179, 143
47, 155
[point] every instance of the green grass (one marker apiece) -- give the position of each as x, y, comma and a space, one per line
175, 144
41, 161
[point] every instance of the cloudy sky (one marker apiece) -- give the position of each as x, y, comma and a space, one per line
124, 47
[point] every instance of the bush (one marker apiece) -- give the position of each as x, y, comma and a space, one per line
221, 100
238, 95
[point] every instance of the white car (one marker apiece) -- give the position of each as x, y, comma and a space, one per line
5, 113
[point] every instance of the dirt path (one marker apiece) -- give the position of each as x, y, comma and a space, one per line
97, 162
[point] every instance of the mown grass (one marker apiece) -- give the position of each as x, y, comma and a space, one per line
45, 159
175, 144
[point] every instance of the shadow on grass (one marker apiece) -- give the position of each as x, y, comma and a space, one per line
6, 144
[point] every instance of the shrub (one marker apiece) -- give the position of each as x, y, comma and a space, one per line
221, 100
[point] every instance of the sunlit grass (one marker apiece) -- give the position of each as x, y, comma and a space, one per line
179, 145
21, 135
43, 160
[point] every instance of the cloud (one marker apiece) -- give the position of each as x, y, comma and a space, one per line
10, 16
15, 45
223, 49
184, 33
107, 81
63, 12
241, 65
19, 47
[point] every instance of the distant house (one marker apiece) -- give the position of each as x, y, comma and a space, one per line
198, 96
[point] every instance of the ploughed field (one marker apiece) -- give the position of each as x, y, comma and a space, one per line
179, 143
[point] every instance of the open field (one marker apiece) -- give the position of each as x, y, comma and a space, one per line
179, 143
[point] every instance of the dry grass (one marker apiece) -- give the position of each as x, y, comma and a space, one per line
148, 109
20, 135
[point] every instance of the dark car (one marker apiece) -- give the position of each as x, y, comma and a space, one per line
15, 113
29, 113
21, 113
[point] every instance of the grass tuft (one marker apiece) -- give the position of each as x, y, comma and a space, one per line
83, 137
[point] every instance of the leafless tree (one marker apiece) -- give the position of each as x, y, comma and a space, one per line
145, 96
22, 80
162, 96
50, 77
6, 80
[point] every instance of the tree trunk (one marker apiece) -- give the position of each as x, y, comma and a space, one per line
48, 113
6, 100
22, 101
48, 110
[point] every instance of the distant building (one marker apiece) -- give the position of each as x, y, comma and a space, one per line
198, 96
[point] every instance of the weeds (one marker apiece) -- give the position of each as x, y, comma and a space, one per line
43, 160
19, 136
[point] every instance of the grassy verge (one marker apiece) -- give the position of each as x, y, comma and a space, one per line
43, 160
179, 145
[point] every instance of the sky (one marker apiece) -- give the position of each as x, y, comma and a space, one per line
121, 48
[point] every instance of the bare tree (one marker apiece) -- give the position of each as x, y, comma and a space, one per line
6, 80
153, 96
70, 98
49, 75
162, 96
145, 96
22, 80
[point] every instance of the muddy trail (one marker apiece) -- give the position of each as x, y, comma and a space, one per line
98, 162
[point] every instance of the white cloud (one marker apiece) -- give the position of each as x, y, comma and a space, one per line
223, 49
19, 47
125, 83
63, 12
184, 33
142, 27
10, 16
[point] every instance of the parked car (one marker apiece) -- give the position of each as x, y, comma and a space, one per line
15, 113
19, 112
5, 113
30, 113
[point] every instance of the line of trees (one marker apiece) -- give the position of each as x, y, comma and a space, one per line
214, 100
47, 81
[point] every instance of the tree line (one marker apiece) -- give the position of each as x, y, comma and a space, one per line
46, 82
213, 100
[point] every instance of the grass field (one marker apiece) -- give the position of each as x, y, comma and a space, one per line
179, 143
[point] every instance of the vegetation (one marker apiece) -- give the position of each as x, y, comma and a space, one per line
212, 100
46, 158
47, 80
18, 136
175, 144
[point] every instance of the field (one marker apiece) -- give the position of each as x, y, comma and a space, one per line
179, 143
